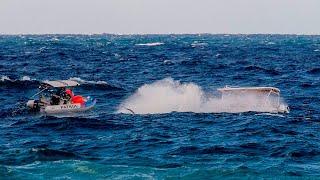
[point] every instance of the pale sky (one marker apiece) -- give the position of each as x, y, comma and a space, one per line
159, 16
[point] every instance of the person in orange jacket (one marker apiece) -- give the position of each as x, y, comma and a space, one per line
69, 93
75, 99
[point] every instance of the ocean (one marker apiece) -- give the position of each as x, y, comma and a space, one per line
179, 129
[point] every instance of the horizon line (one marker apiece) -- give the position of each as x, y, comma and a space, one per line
127, 34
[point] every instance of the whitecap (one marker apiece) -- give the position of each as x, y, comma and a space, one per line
55, 39
270, 43
218, 55
5, 78
150, 44
198, 44
26, 78
167, 62
87, 82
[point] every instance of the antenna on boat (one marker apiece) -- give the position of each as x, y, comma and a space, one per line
38, 93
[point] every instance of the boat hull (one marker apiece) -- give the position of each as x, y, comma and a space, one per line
69, 108
34, 105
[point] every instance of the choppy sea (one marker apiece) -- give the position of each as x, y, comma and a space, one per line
177, 130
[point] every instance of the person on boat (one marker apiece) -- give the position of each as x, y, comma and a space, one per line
69, 94
66, 96
74, 99
61, 91
57, 97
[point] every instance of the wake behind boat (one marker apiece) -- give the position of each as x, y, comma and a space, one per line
57, 97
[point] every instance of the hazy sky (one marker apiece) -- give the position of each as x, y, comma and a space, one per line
160, 16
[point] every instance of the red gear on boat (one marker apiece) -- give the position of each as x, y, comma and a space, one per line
77, 99
69, 92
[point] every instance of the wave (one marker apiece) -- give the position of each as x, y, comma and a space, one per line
150, 44
96, 84
168, 95
190, 150
314, 71
199, 44
87, 81
5, 78
72, 122
254, 68
24, 82
28, 83
24, 78
46, 154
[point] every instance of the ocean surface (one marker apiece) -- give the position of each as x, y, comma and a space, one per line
169, 81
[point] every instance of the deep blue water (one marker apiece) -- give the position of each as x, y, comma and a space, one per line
105, 144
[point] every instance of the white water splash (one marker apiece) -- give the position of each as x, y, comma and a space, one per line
168, 95
151, 44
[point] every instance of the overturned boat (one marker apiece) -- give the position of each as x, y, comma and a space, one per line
56, 97
268, 96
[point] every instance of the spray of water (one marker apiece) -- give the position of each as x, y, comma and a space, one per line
168, 95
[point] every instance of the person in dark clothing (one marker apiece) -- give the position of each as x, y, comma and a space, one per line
56, 98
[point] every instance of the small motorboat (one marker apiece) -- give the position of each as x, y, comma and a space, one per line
53, 99
269, 96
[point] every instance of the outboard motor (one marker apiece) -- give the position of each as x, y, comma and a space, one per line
30, 104
33, 105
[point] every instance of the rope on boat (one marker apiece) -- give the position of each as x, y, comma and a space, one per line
130, 110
